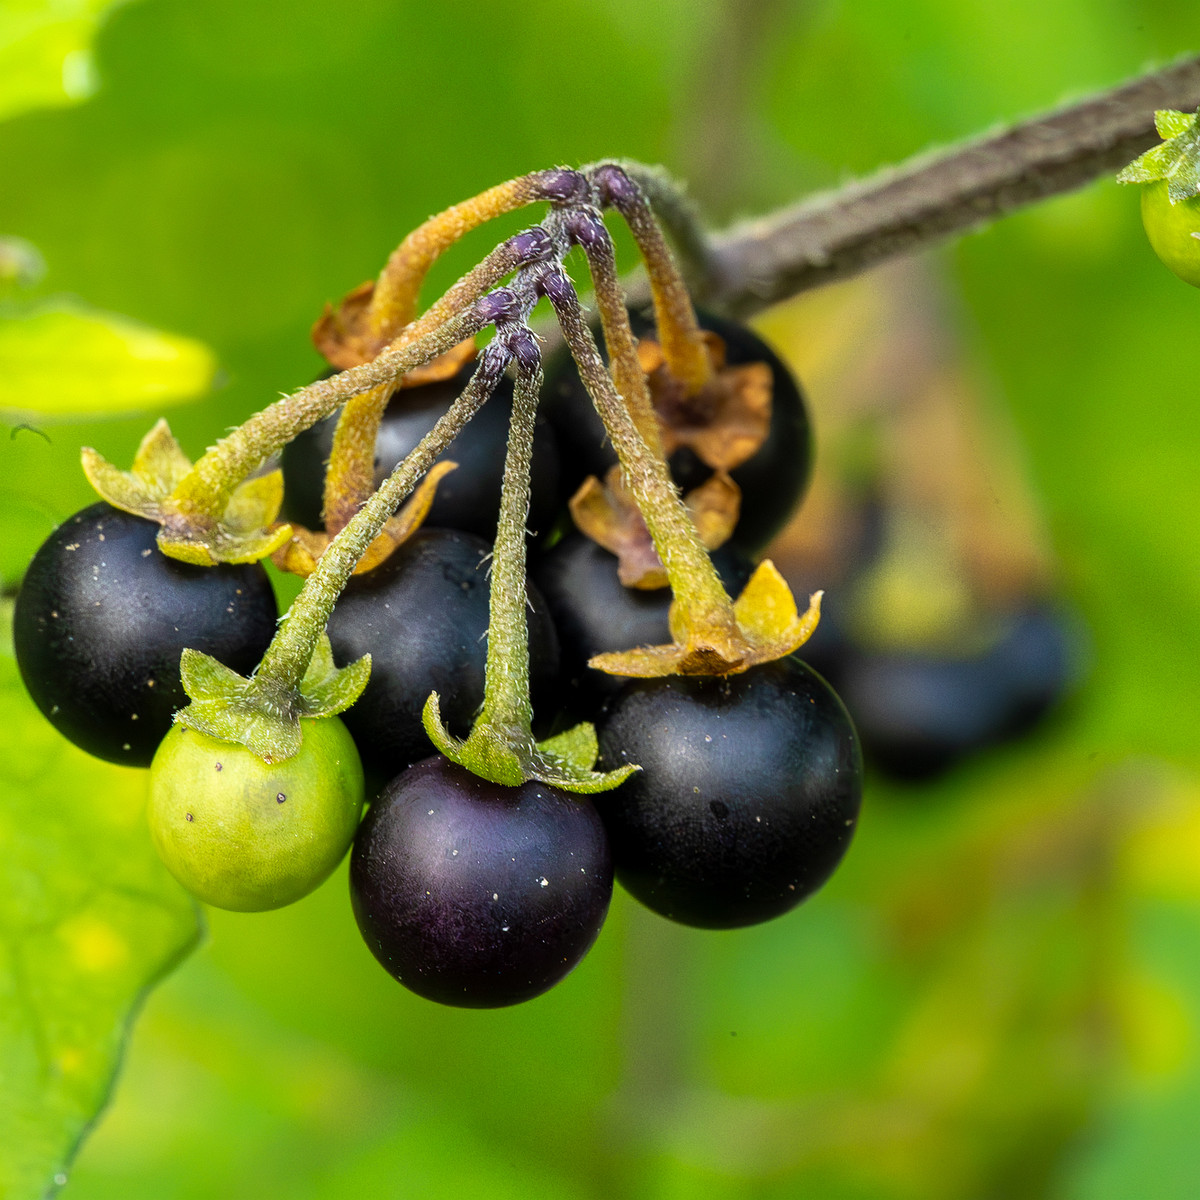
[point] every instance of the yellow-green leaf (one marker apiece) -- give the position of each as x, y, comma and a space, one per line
68, 361
89, 919
45, 52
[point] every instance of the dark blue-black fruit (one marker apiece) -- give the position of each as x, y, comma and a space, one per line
468, 498
921, 712
748, 794
474, 894
103, 617
423, 617
772, 481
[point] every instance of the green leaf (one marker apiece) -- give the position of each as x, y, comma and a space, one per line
45, 52
89, 920
64, 360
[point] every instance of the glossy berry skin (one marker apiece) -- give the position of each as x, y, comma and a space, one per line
103, 617
468, 498
772, 481
478, 895
423, 618
1173, 229
748, 795
919, 713
595, 613
247, 835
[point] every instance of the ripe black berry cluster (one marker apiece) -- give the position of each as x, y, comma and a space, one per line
642, 716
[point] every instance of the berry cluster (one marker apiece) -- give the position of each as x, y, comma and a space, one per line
637, 712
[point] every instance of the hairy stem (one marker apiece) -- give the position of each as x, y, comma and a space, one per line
507, 713
684, 351
587, 227
205, 491
351, 475
288, 655
933, 196
394, 300
700, 599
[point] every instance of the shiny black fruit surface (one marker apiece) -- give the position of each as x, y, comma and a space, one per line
423, 618
102, 618
468, 498
474, 894
748, 795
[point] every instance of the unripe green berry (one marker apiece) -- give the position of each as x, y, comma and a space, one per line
247, 835
1173, 229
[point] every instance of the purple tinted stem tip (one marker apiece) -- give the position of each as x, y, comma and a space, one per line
563, 186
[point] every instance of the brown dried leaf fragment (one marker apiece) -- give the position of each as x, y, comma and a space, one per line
345, 338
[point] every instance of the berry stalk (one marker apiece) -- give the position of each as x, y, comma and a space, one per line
288, 656
204, 493
297, 676
699, 596
350, 478
587, 229
679, 332
394, 299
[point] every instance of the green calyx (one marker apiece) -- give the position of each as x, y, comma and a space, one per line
1176, 160
260, 713
510, 759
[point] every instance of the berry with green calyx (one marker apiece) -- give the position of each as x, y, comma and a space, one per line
476, 894
243, 834
1170, 178
102, 618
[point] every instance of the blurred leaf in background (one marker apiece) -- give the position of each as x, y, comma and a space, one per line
63, 361
46, 52
997, 994
90, 921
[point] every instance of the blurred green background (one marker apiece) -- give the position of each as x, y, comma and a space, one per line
999, 993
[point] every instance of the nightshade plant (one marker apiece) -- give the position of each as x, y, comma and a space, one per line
831, 238
708, 391
255, 794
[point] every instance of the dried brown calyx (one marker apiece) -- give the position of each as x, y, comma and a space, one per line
726, 420
301, 553
347, 337
606, 513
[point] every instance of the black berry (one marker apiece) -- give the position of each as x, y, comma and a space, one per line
102, 618
920, 712
474, 894
748, 794
423, 618
468, 498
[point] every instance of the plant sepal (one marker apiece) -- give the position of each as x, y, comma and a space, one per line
244, 533
766, 625
258, 712
1177, 159
511, 758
